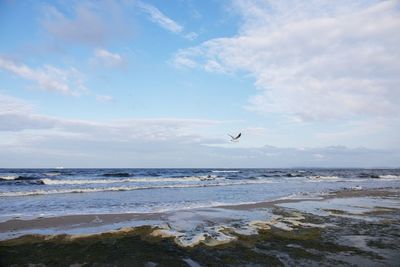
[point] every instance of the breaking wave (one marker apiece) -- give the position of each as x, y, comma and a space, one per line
317, 178
8, 177
225, 171
117, 174
123, 188
18, 178
389, 177
129, 180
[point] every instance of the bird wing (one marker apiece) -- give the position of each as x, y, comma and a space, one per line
239, 135
231, 136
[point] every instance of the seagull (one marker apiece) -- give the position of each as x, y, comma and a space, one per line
235, 139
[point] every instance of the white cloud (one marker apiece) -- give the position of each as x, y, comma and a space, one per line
17, 115
13, 122
191, 36
66, 81
183, 59
104, 98
90, 23
255, 131
98, 23
107, 59
164, 21
11, 104
158, 17
316, 60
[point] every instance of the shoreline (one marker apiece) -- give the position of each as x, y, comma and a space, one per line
339, 228
87, 221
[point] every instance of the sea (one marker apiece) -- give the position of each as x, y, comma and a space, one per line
33, 193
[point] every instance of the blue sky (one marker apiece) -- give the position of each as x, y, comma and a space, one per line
160, 83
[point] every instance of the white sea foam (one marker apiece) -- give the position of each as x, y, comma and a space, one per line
64, 191
122, 188
9, 177
357, 187
227, 171
129, 180
71, 182
52, 173
319, 178
389, 177
302, 195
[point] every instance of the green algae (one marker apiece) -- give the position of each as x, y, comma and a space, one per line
304, 245
138, 247
120, 249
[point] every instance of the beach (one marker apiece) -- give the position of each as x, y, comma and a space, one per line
190, 133
357, 225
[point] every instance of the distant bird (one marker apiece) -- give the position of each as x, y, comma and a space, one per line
235, 139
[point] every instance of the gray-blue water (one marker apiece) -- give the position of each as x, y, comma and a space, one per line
51, 192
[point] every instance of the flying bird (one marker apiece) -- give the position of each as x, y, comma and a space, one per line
235, 139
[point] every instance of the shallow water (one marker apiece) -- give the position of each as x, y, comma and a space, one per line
27, 193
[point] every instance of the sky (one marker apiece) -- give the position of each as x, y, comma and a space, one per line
156, 83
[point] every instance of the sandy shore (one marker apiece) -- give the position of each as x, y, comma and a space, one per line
85, 220
96, 220
343, 228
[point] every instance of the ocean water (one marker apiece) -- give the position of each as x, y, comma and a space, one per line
29, 193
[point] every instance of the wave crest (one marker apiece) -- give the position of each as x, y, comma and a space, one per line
129, 180
9, 177
225, 171
123, 188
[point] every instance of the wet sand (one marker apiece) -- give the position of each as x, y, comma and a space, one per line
85, 220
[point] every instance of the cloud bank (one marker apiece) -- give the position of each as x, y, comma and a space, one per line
29, 139
312, 61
